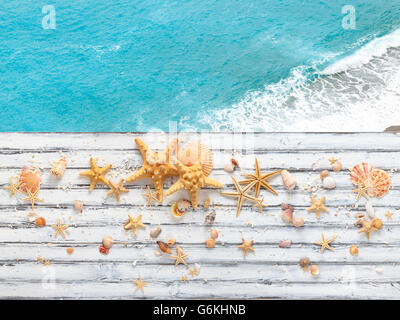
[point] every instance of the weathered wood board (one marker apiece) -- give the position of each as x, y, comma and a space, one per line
269, 272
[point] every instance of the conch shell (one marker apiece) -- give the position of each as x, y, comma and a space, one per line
195, 151
288, 180
30, 180
59, 167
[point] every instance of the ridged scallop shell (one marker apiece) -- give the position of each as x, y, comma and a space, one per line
380, 182
30, 179
361, 173
59, 167
195, 151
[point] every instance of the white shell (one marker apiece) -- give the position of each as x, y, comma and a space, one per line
329, 183
229, 167
288, 180
370, 210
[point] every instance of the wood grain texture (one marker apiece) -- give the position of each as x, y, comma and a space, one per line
270, 272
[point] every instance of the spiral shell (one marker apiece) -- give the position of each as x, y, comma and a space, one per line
30, 179
194, 152
59, 167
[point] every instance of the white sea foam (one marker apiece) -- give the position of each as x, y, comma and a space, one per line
358, 93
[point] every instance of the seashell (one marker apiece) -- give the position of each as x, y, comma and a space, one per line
176, 212
229, 167
361, 173
377, 223
194, 152
370, 210
298, 222
155, 232
337, 166
210, 243
70, 250
285, 244
314, 269
103, 250
324, 174
108, 242
353, 250
210, 217
304, 263
214, 233
40, 222
32, 216
30, 179
329, 183
235, 163
380, 182
59, 167
78, 205
164, 247
287, 215
288, 180
196, 267
171, 241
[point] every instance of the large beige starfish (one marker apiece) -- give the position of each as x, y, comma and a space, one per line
150, 196
180, 257
361, 191
13, 188
32, 197
246, 246
260, 179
140, 284
317, 206
134, 223
241, 194
60, 228
117, 189
325, 243
156, 166
96, 174
367, 227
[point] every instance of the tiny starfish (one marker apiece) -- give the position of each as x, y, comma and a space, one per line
332, 160
367, 227
246, 246
151, 196
32, 197
317, 206
134, 223
260, 204
13, 188
140, 284
361, 191
241, 194
194, 272
184, 278
389, 215
259, 180
60, 228
325, 243
96, 174
180, 257
116, 189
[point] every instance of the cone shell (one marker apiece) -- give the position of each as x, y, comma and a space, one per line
30, 179
361, 173
194, 152
380, 181
288, 180
59, 167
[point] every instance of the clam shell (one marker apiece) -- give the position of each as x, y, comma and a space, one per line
30, 179
380, 181
361, 173
194, 152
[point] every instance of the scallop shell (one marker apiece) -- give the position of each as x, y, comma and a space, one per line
380, 182
59, 167
30, 179
361, 173
195, 151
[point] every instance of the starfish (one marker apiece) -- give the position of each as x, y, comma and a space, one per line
367, 227
325, 243
246, 246
317, 206
13, 188
155, 166
140, 284
192, 179
241, 195
32, 197
134, 223
150, 196
332, 160
389, 215
184, 278
116, 189
60, 228
96, 174
180, 257
260, 204
361, 191
194, 272
260, 180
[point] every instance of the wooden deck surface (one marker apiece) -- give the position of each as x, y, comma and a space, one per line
270, 272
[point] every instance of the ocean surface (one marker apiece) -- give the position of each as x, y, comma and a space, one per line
258, 65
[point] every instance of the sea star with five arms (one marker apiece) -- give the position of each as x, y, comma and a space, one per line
140, 284
96, 174
134, 223
241, 195
246, 246
32, 197
180, 257
13, 188
155, 166
117, 189
260, 179
194, 272
150, 196
389, 215
367, 227
361, 191
325, 243
60, 228
317, 206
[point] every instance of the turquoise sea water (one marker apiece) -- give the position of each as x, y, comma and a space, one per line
216, 65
